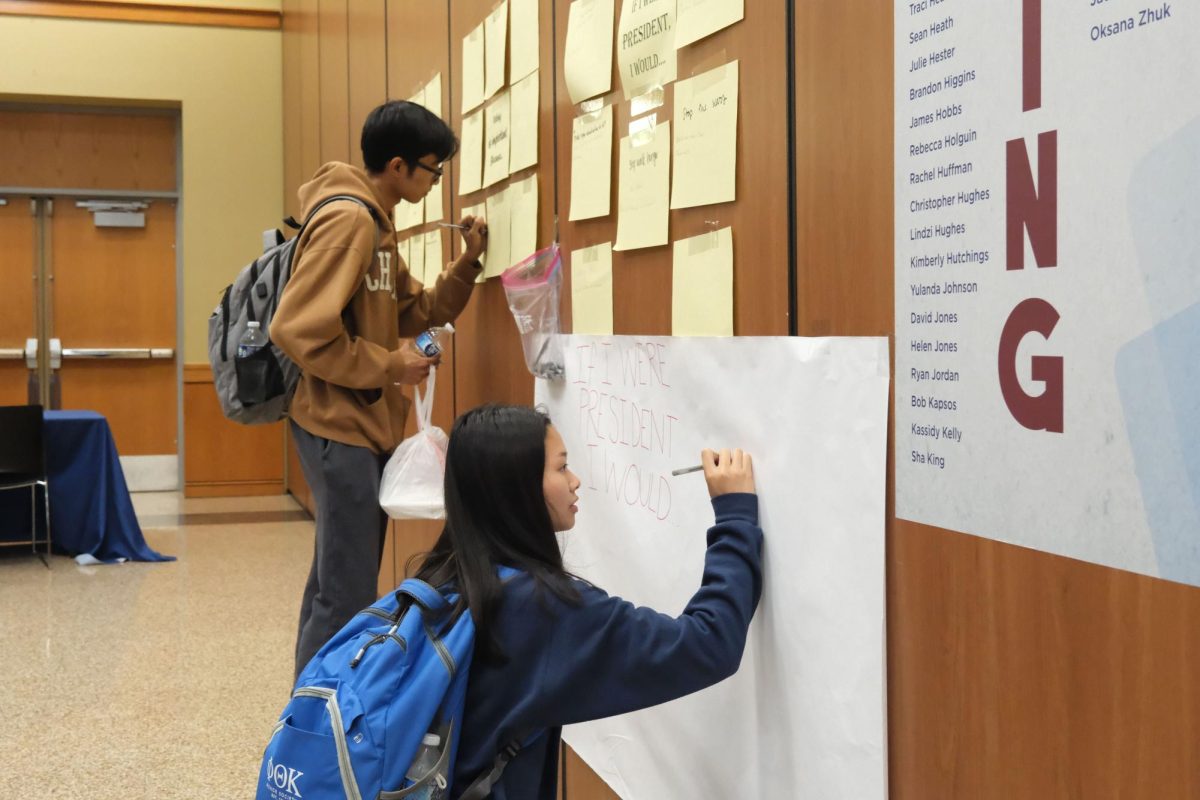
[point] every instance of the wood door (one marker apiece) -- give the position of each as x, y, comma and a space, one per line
18, 321
115, 288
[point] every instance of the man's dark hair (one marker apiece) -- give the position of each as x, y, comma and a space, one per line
404, 129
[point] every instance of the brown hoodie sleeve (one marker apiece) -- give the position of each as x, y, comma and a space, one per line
327, 272
441, 303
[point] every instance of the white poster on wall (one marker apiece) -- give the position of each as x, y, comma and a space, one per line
804, 716
1048, 277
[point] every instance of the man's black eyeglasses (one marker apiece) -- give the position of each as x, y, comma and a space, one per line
437, 171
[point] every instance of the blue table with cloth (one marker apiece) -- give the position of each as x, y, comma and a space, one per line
90, 508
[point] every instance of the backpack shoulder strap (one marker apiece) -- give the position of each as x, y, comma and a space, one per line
481, 787
370, 210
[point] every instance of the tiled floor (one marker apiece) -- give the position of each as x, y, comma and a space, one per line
153, 680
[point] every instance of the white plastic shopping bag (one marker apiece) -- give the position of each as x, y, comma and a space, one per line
412, 480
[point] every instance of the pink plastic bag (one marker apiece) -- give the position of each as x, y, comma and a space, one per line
532, 288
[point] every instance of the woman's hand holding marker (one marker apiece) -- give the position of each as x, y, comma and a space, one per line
727, 472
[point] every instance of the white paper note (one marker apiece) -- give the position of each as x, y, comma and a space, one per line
587, 65
706, 138
472, 64
644, 190
495, 49
702, 285
434, 261
499, 222
699, 18
495, 132
523, 202
591, 164
646, 45
525, 39
470, 154
523, 121
592, 290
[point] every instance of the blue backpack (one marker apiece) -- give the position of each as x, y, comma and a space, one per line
365, 702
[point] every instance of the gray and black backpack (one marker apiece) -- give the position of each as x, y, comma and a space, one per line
257, 388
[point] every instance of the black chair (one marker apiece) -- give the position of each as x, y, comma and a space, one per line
23, 463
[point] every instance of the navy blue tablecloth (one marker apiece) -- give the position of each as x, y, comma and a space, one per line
90, 508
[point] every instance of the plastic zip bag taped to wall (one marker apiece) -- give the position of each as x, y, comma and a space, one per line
533, 288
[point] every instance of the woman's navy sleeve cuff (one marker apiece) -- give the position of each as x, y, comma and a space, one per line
738, 505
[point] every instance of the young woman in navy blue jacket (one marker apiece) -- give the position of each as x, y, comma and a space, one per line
552, 649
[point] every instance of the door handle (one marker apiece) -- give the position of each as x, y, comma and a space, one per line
12, 353
119, 352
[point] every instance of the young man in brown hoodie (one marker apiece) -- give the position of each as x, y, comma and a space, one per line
349, 301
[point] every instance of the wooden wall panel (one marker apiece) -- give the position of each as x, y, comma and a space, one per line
334, 99
844, 162
301, 41
222, 458
1015, 673
88, 150
293, 104
416, 36
310, 86
491, 366
367, 36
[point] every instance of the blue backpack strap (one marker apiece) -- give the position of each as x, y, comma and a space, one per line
425, 595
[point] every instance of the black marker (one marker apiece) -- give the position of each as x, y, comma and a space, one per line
686, 470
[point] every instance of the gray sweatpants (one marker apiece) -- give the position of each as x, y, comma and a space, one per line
350, 535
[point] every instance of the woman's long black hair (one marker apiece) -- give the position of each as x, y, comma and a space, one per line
495, 514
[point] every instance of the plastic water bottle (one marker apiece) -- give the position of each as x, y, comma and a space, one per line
252, 340
427, 341
422, 765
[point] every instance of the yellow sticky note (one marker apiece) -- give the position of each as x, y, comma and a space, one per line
495, 36
472, 66
699, 18
434, 202
645, 45
523, 202
523, 122
591, 164
587, 62
499, 222
592, 290
702, 285
402, 247
478, 211
496, 140
525, 38
470, 154
434, 261
416, 257
644, 188
433, 94
706, 138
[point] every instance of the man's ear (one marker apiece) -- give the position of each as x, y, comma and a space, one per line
398, 164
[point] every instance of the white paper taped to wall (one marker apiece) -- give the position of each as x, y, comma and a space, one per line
804, 715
